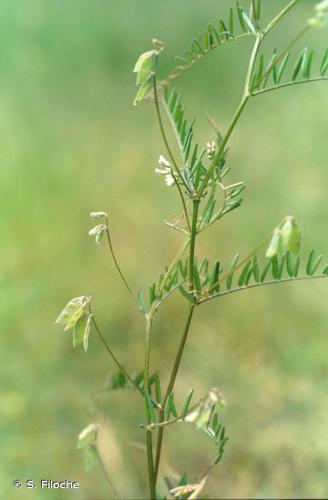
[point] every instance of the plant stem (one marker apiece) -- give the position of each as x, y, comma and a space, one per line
280, 16
166, 142
256, 285
241, 263
288, 84
258, 41
239, 110
149, 439
112, 355
282, 54
193, 242
116, 262
170, 386
109, 480
167, 274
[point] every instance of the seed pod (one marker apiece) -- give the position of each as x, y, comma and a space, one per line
290, 235
275, 244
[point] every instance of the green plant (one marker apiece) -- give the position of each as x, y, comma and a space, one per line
199, 178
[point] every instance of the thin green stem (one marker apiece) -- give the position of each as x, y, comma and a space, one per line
193, 236
288, 84
258, 41
282, 54
256, 285
241, 263
254, 14
279, 16
187, 64
108, 477
149, 442
167, 274
239, 110
112, 355
170, 386
223, 143
166, 142
110, 245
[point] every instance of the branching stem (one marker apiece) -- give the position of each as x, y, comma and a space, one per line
256, 285
288, 84
170, 386
149, 444
279, 16
166, 142
111, 249
112, 355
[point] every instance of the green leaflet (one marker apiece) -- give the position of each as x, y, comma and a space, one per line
296, 266
313, 263
214, 284
289, 265
277, 69
324, 64
141, 301
244, 273
184, 130
197, 281
231, 271
216, 35
256, 269
171, 405
187, 401
149, 407
187, 295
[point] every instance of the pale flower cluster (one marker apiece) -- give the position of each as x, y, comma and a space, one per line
165, 170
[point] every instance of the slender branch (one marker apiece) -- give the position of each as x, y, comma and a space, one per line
223, 143
282, 54
241, 263
111, 353
166, 142
288, 84
167, 274
111, 249
180, 418
193, 242
256, 285
251, 65
280, 16
170, 386
149, 444
177, 71
109, 479
239, 110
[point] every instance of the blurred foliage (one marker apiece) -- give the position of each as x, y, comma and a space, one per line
71, 142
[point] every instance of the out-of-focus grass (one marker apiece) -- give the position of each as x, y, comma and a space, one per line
71, 142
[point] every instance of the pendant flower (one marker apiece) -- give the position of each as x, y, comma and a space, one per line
165, 170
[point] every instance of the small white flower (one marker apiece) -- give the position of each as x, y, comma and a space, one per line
98, 215
165, 170
98, 232
163, 162
210, 149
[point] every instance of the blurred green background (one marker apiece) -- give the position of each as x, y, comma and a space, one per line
71, 142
